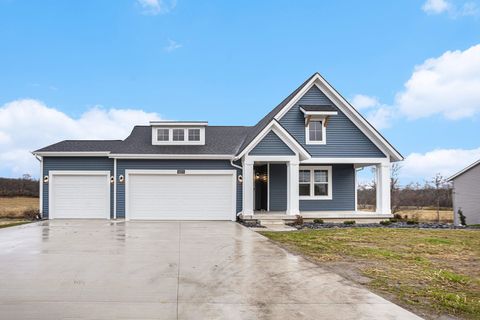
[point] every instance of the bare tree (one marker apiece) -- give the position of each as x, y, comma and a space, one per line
395, 187
438, 183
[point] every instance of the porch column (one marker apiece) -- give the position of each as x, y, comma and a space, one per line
248, 188
292, 188
383, 188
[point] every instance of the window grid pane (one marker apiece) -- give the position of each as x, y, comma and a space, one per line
304, 176
321, 176
194, 134
315, 130
178, 134
162, 134
321, 189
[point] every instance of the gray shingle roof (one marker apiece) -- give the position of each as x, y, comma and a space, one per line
81, 146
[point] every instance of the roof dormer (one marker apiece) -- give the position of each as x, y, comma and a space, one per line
178, 132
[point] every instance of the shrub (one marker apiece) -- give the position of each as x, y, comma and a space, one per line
411, 222
397, 216
349, 222
386, 222
463, 219
320, 221
298, 220
31, 214
393, 220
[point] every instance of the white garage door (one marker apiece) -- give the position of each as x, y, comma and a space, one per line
79, 194
193, 195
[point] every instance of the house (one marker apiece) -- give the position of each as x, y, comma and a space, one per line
466, 193
300, 159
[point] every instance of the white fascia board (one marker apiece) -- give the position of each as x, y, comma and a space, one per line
318, 113
178, 123
282, 134
349, 111
464, 170
172, 156
367, 161
73, 154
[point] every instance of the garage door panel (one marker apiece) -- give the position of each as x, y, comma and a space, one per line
189, 196
80, 196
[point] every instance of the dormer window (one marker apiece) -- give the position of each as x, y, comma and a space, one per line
178, 132
316, 119
315, 131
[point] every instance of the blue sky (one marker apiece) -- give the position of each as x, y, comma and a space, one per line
105, 64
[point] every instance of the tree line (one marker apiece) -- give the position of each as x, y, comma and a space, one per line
433, 193
25, 186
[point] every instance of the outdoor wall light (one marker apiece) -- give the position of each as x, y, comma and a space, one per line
240, 178
112, 179
121, 178
45, 179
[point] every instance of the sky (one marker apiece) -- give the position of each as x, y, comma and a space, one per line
93, 69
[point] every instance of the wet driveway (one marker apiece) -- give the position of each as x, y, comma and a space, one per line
168, 270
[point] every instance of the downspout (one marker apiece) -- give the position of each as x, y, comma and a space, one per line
241, 168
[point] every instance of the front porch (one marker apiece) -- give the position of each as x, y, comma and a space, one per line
315, 189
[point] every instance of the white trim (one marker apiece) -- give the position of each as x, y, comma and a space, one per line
366, 161
40, 181
355, 171
324, 133
51, 194
170, 141
312, 183
268, 186
464, 170
73, 154
171, 156
349, 111
248, 159
167, 123
232, 172
274, 126
114, 188
318, 113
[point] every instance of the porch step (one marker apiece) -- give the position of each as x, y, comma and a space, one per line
267, 222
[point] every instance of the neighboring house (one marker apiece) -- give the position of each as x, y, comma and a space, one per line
301, 158
466, 193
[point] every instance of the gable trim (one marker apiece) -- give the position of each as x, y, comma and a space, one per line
283, 135
456, 175
348, 110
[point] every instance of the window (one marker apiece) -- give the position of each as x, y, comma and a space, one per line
315, 132
193, 134
178, 134
163, 134
315, 183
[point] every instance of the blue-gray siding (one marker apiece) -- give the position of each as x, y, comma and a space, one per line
278, 186
344, 139
343, 192
123, 165
271, 144
75, 164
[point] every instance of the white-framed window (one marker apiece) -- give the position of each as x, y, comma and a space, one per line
315, 132
315, 183
194, 134
178, 136
163, 135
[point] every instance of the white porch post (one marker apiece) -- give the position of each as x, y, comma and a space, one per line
292, 188
248, 187
383, 188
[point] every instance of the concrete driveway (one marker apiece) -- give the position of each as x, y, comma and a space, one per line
168, 270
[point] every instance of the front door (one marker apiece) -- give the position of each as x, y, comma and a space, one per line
261, 187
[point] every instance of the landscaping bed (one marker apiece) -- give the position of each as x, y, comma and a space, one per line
434, 273
385, 224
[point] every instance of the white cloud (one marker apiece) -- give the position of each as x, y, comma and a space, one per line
26, 125
381, 118
454, 11
448, 85
423, 166
436, 6
154, 7
361, 101
172, 45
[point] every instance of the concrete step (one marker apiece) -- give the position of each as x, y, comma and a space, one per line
267, 222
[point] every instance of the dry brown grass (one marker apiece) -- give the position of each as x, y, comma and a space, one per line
16, 207
427, 215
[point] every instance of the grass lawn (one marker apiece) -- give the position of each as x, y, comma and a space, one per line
4, 223
431, 272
